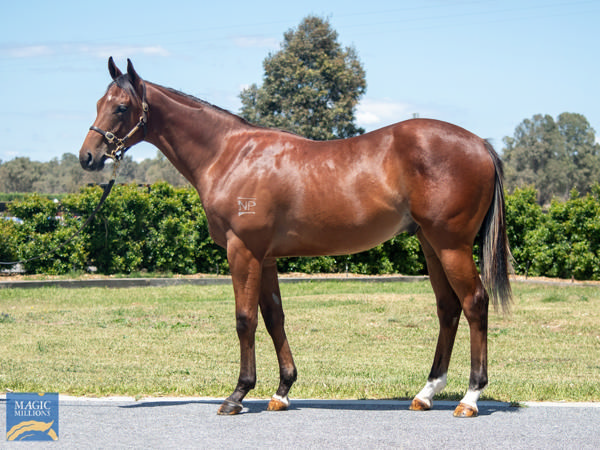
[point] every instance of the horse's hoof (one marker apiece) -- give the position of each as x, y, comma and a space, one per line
464, 410
278, 403
419, 405
229, 408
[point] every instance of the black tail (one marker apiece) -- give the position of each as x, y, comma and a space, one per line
495, 261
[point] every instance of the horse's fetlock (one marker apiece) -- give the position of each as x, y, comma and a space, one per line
478, 381
246, 384
289, 377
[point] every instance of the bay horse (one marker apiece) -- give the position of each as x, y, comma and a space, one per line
268, 193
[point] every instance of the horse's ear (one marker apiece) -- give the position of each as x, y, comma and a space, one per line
113, 69
133, 76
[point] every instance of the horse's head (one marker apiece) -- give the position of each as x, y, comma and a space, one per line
121, 112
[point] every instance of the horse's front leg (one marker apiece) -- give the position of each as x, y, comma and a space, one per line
272, 312
246, 273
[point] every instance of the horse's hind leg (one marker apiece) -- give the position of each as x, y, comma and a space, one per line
272, 312
466, 282
461, 274
448, 311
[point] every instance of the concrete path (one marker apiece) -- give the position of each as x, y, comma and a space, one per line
123, 423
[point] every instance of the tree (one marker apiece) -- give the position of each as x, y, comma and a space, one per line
554, 156
64, 175
19, 175
582, 151
310, 87
159, 169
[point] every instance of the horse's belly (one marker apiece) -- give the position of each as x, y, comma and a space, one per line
344, 235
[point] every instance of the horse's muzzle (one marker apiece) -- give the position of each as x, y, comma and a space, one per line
89, 163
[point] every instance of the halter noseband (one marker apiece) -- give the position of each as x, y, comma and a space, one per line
120, 143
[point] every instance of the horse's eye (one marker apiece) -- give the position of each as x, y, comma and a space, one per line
121, 109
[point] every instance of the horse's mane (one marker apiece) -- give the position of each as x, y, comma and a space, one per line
195, 101
124, 83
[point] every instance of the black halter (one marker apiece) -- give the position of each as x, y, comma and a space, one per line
121, 143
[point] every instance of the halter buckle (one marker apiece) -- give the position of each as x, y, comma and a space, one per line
110, 138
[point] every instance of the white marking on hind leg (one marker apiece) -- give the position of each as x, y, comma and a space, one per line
285, 400
432, 388
471, 398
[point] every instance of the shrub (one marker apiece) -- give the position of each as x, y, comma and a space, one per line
562, 242
8, 242
43, 236
164, 229
114, 238
523, 218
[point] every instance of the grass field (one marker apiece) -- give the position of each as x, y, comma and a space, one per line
350, 340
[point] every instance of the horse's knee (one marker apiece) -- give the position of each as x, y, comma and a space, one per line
245, 324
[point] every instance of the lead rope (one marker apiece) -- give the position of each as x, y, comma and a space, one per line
107, 190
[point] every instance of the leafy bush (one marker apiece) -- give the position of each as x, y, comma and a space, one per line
570, 245
158, 228
115, 236
523, 217
43, 237
164, 229
8, 241
401, 254
172, 239
562, 242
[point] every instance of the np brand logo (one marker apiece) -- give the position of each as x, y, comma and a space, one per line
31, 417
246, 205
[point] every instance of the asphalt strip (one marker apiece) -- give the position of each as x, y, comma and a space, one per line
299, 402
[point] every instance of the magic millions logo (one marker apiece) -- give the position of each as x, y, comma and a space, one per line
31, 417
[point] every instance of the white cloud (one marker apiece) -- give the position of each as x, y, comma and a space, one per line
97, 51
27, 51
7, 155
373, 113
119, 51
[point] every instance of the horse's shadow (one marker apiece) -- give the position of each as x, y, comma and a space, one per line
252, 406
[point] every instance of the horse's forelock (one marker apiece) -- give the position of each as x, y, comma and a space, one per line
124, 83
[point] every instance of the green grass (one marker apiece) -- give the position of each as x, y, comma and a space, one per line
350, 340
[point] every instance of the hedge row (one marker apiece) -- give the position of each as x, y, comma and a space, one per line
155, 229
561, 241
164, 229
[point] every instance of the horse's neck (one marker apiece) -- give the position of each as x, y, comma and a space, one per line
190, 134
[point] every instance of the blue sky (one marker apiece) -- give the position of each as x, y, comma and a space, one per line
483, 65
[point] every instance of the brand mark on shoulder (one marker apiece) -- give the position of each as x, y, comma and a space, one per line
246, 205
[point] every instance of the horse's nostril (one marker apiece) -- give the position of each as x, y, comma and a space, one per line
86, 159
